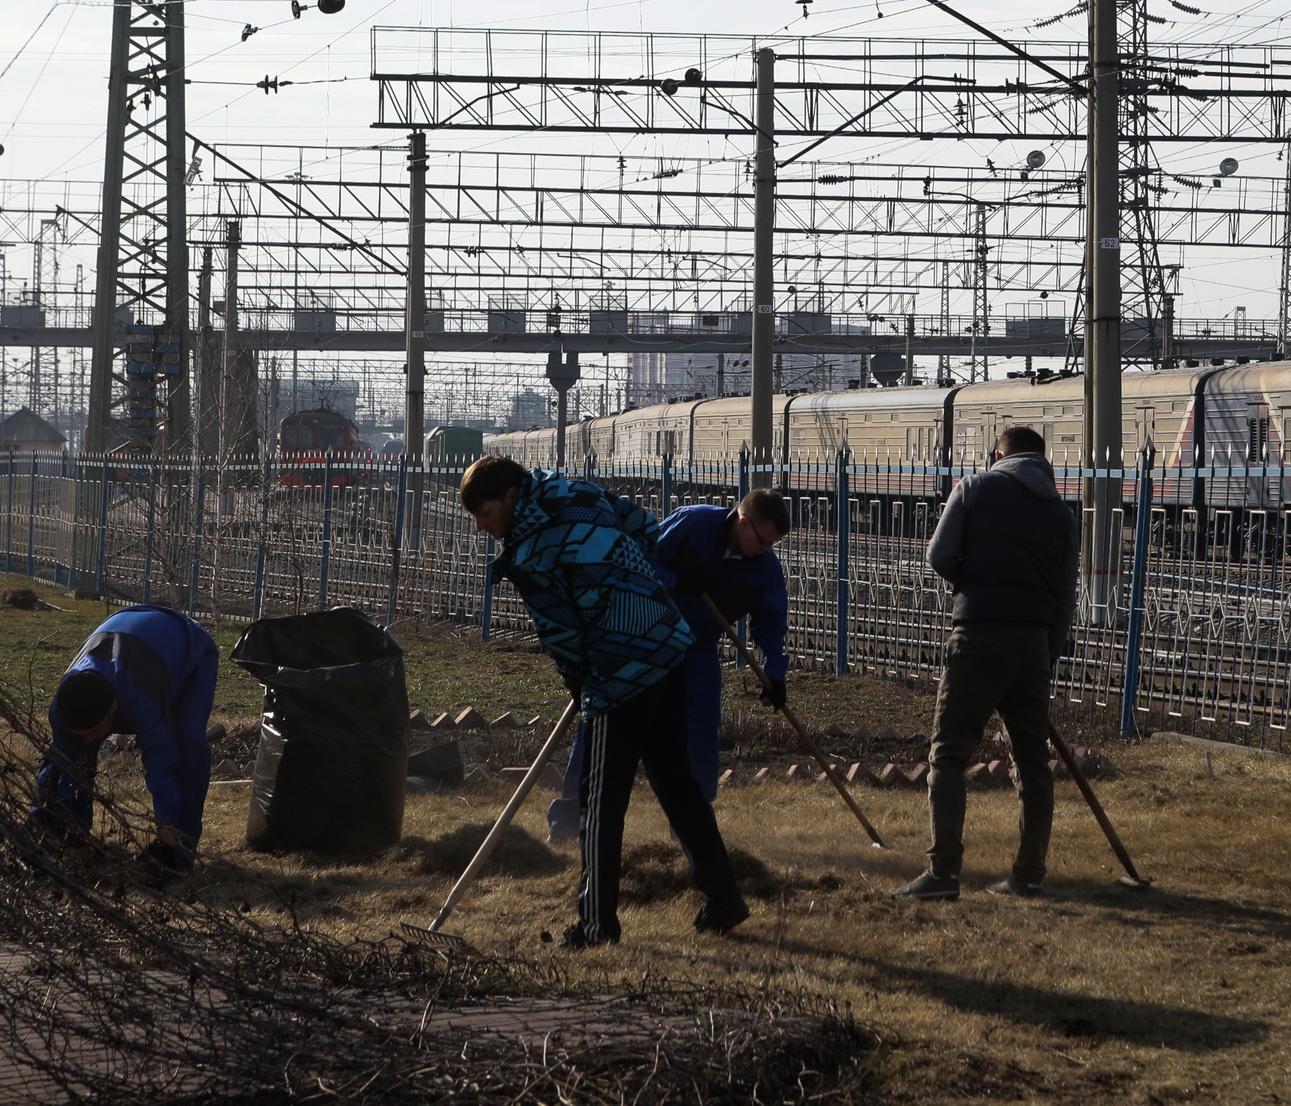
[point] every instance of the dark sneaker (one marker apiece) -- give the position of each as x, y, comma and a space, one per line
721, 915
931, 886
575, 937
1016, 887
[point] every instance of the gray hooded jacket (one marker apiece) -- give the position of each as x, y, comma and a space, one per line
1010, 547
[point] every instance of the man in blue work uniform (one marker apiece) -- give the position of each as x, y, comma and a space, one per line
147, 671
727, 555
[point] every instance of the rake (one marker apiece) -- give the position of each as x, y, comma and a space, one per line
1131, 878
803, 736
490, 842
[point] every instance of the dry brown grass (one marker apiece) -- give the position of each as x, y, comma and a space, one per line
1093, 994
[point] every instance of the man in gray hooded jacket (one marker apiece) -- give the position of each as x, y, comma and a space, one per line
1010, 547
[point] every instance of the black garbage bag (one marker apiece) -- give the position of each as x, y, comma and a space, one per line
333, 758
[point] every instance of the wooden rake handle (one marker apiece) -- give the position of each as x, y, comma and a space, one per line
490, 842
803, 736
1113, 838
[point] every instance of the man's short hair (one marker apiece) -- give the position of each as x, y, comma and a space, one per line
766, 505
1020, 439
491, 477
84, 699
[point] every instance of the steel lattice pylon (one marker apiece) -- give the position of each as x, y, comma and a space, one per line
42, 392
143, 263
1143, 282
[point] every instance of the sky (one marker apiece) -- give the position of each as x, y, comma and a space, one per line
53, 68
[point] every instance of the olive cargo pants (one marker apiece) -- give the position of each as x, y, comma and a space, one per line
992, 666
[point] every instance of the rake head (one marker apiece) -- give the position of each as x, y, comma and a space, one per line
442, 942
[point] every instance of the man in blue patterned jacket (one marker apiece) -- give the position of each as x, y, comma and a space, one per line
580, 562
729, 556
147, 671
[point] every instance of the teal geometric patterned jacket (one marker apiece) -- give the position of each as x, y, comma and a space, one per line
581, 562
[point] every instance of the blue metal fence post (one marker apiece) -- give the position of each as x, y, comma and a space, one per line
665, 487
326, 554
1138, 574
257, 597
100, 570
199, 522
8, 529
486, 615
843, 528
397, 539
152, 518
31, 520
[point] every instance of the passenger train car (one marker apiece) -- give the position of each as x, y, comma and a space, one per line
1237, 417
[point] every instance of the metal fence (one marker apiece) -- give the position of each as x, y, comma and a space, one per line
1187, 621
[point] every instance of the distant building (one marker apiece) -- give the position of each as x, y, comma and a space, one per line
26, 432
529, 408
655, 377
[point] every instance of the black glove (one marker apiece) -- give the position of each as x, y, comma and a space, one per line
775, 695
572, 685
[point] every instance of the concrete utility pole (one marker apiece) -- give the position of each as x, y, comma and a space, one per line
208, 369
238, 384
414, 411
1284, 285
1167, 333
414, 423
909, 351
764, 204
103, 349
1103, 433
178, 392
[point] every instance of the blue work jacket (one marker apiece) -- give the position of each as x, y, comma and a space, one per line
693, 546
162, 667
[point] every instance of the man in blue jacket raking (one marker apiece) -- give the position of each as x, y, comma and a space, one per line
580, 561
147, 671
728, 555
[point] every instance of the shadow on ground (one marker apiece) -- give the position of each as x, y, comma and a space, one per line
1158, 901
1088, 1017
657, 871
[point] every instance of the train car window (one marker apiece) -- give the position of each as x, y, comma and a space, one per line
1285, 422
